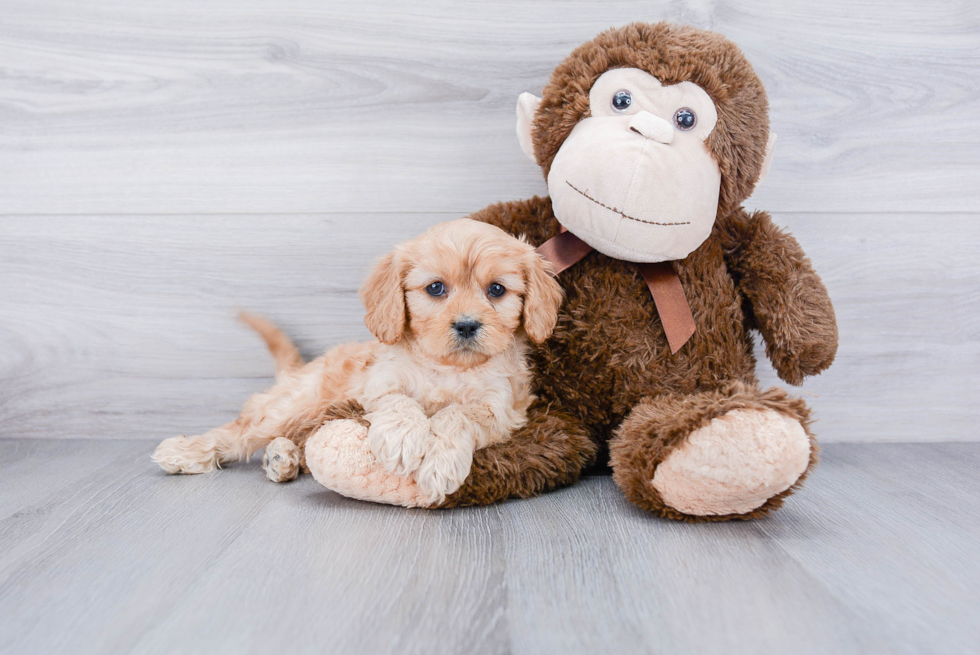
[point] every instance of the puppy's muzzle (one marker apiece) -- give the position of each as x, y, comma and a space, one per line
466, 328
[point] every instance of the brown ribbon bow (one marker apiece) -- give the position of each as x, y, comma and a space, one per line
566, 250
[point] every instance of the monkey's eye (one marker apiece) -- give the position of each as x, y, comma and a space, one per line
436, 289
496, 290
622, 100
685, 119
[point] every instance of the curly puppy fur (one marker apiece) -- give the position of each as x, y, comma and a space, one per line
608, 356
447, 374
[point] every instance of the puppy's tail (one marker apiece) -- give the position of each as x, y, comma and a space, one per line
283, 350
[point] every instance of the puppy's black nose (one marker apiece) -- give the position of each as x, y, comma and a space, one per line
467, 328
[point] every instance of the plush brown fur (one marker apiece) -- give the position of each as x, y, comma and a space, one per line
607, 369
550, 453
657, 426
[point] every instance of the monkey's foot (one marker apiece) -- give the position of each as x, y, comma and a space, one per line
339, 458
734, 452
734, 464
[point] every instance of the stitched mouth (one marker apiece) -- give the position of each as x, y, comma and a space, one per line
613, 209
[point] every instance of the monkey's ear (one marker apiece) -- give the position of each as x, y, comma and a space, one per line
767, 162
527, 104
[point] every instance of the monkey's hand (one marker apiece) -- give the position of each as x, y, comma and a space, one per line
789, 304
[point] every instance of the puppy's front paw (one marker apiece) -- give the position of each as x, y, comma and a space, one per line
444, 468
397, 440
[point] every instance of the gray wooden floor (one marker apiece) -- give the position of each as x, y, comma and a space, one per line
101, 553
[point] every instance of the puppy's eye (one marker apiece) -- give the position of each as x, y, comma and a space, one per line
685, 119
496, 290
622, 100
436, 289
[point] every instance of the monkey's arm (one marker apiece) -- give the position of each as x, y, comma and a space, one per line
549, 452
789, 303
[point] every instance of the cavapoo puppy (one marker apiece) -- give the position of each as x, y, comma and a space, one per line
451, 311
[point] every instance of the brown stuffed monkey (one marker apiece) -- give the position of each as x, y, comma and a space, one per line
650, 138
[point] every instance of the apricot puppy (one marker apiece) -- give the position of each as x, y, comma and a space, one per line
451, 311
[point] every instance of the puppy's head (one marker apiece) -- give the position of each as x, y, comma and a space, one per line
462, 292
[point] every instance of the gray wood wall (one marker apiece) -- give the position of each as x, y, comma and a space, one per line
165, 163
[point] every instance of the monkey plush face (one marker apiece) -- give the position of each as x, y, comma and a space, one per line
635, 180
667, 131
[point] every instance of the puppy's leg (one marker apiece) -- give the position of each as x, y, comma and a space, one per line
284, 459
457, 431
292, 408
398, 432
191, 454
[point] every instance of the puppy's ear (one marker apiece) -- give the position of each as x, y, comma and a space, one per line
542, 298
384, 298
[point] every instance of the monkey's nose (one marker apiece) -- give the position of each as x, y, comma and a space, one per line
467, 327
652, 127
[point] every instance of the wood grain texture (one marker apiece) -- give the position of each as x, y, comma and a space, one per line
136, 106
123, 327
878, 553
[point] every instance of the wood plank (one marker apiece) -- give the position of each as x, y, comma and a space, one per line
588, 572
375, 106
124, 327
878, 553
132, 560
30, 467
892, 532
359, 577
118, 550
